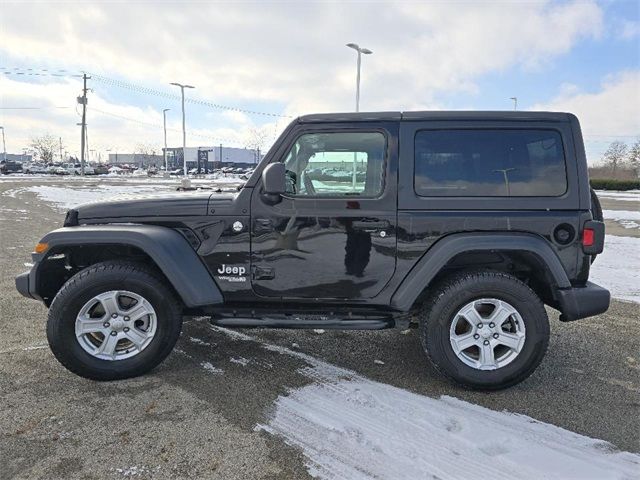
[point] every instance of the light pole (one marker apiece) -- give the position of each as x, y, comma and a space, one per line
4, 146
360, 51
184, 131
515, 102
164, 117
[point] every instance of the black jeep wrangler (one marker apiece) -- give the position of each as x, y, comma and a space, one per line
466, 223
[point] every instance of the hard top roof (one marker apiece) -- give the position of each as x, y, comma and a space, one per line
434, 115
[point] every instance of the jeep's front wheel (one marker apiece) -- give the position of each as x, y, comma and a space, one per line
113, 320
484, 330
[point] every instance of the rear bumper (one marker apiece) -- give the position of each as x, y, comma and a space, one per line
583, 302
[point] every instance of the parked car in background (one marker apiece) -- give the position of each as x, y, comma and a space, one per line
35, 168
9, 166
101, 169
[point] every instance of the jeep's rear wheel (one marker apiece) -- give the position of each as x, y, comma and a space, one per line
113, 320
484, 330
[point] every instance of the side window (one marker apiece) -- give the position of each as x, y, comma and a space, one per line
336, 164
491, 163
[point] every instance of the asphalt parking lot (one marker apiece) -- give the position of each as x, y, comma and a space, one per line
198, 414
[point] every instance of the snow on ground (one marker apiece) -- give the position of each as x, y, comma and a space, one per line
350, 427
626, 196
65, 198
626, 218
618, 267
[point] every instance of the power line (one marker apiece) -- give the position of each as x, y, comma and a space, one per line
136, 88
29, 108
154, 125
151, 91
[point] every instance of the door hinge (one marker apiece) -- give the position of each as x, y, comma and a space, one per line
262, 273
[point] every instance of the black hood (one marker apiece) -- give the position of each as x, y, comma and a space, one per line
194, 203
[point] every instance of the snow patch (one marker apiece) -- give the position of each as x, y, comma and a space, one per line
617, 268
360, 429
626, 218
627, 196
65, 198
210, 368
350, 427
240, 360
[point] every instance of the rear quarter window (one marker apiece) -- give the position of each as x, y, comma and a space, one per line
490, 163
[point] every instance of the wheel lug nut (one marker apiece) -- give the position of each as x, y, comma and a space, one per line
126, 329
114, 315
491, 325
479, 325
476, 336
113, 333
486, 342
495, 335
126, 319
106, 324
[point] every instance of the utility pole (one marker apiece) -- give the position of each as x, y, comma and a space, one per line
4, 146
83, 101
61, 157
166, 163
184, 130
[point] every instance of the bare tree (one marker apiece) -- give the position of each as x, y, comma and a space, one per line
145, 154
256, 140
45, 147
615, 155
633, 157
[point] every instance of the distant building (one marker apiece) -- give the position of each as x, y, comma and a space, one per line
17, 157
137, 159
215, 157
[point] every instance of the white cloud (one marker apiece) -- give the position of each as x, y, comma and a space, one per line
612, 113
289, 55
628, 30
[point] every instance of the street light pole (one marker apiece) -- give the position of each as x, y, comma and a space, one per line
360, 51
166, 164
4, 146
515, 102
184, 130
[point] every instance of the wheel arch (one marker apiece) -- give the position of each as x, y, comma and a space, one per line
458, 251
162, 247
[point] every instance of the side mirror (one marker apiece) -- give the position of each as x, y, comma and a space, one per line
273, 179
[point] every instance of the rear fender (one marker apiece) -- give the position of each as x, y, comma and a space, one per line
435, 259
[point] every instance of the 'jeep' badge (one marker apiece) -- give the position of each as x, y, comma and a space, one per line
237, 226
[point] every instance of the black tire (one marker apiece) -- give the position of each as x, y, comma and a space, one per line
99, 278
596, 212
596, 208
458, 290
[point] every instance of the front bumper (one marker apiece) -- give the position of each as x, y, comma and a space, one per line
583, 302
26, 284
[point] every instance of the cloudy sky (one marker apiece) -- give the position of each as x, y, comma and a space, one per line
271, 61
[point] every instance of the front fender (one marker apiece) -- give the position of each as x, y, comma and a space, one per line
448, 247
169, 250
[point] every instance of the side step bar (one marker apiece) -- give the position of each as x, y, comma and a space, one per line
298, 322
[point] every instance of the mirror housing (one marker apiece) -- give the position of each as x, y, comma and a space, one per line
273, 179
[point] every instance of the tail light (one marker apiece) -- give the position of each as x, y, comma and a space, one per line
593, 237
588, 237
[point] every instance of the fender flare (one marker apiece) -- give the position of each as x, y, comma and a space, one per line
170, 251
436, 257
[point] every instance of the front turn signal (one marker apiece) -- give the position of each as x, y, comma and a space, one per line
41, 247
